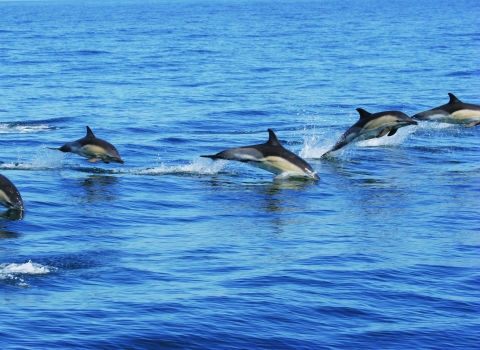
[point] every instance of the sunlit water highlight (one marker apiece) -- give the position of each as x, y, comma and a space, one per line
171, 250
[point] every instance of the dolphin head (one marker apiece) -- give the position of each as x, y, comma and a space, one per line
403, 120
112, 157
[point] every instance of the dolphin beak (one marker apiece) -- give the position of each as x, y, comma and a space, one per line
413, 122
313, 175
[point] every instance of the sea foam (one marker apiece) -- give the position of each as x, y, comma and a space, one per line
14, 273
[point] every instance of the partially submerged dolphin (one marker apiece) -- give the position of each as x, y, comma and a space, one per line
373, 125
9, 195
270, 156
93, 148
454, 112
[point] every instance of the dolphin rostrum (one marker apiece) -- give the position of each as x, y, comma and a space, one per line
9, 195
454, 112
373, 125
270, 156
93, 148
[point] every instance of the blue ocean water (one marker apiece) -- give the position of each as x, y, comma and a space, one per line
171, 250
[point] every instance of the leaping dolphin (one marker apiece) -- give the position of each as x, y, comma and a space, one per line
9, 195
373, 125
270, 156
454, 112
93, 148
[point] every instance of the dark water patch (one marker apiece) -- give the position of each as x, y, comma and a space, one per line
5, 234
12, 215
94, 170
201, 52
245, 112
79, 260
175, 140
90, 52
266, 69
197, 84
474, 73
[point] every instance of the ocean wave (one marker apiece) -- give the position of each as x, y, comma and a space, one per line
20, 128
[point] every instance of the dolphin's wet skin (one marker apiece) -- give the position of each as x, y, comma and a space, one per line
373, 125
270, 156
93, 148
455, 112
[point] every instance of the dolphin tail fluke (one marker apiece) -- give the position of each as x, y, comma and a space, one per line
325, 154
64, 148
384, 132
392, 132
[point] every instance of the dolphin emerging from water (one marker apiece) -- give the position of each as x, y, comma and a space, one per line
93, 148
9, 195
455, 112
270, 156
373, 125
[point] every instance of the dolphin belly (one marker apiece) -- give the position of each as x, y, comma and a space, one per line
91, 151
277, 165
466, 115
463, 116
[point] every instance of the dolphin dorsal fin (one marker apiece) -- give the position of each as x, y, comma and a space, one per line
363, 113
90, 132
453, 99
272, 139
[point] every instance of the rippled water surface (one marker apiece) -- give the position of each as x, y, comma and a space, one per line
171, 250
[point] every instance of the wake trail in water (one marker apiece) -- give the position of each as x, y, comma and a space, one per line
197, 167
44, 159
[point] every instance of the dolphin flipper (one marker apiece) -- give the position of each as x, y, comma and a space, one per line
383, 132
94, 160
392, 132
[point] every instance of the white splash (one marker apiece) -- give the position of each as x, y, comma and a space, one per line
316, 145
199, 166
14, 272
44, 158
289, 175
22, 129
